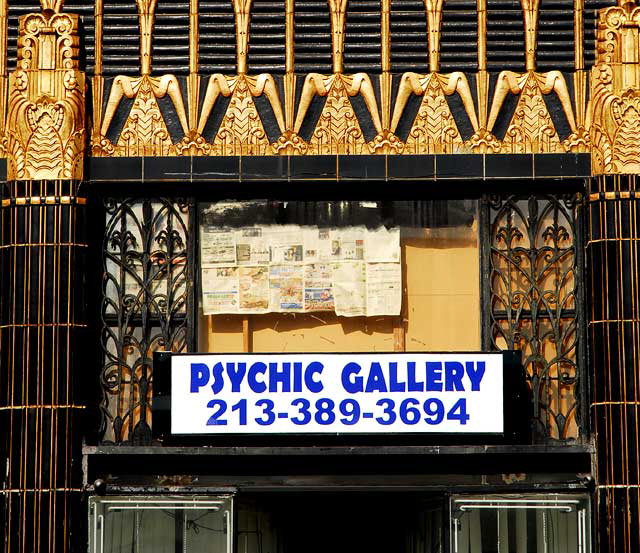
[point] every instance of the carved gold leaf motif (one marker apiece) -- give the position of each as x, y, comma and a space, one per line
434, 130
615, 82
241, 131
338, 130
145, 132
45, 132
531, 128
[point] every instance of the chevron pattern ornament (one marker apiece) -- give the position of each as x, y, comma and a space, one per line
434, 130
241, 131
531, 129
338, 130
145, 132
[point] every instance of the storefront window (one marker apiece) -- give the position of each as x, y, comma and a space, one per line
435, 272
160, 524
525, 524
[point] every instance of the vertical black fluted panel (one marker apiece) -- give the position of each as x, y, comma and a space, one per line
613, 285
41, 325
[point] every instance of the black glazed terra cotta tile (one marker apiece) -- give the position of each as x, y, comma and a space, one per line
411, 167
115, 169
459, 165
215, 168
362, 167
167, 168
313, 167
3, 169
583, 165
264, 167
554, 165
508, 165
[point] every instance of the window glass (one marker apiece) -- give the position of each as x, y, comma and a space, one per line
520, 524
160, 525
438, 281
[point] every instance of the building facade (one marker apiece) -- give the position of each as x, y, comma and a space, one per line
495, 141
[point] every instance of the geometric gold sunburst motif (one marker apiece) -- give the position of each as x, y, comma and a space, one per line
531, 129
145, 132
338, 130
241, 131
434, 129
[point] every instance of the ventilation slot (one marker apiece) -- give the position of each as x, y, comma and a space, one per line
121, 41
171, 38
409, 37
313, 37
362, 42
267, 37
555, 36
120, 38
505, 35
217, 45
459, 36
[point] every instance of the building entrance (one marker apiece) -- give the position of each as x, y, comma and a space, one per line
321, 522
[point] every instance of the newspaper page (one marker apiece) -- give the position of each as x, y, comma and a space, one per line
317, 244
286, 244
254, 289
220, 290
252, 246
217, 246
354, 271
347, 244
384, 289
349, 289
382, 245
318, 292
286, 288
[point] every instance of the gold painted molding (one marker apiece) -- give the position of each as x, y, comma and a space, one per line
45, 134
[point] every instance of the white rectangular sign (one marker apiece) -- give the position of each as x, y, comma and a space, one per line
337, 393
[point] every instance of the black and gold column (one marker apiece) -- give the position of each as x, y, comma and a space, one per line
613, 282
613, 278
42, 317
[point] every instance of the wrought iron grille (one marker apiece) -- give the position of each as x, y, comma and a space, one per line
146, 305
533, 261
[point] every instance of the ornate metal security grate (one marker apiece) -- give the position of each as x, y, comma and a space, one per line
147, 301
533, 302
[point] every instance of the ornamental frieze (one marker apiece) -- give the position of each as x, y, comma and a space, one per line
343, 112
